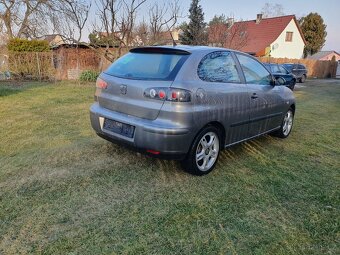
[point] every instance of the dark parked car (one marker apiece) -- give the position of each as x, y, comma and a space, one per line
279, 71
188, 103
299, 70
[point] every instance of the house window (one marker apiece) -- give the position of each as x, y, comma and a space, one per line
289, 36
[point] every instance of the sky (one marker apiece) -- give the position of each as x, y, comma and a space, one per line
247, 10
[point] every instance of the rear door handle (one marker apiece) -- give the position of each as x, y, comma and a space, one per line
254, 96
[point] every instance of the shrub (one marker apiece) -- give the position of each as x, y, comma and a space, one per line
31, 65
89, 75
24, 45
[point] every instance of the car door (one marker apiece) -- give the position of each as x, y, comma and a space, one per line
296, 71
265, 100
222, 95
285, 74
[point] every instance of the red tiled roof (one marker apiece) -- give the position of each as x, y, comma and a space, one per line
264, 33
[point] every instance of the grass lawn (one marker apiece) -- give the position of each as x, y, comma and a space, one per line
63, 190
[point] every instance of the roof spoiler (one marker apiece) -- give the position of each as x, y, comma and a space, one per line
160, 50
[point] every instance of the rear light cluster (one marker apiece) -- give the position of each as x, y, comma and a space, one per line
101, 84
168, 94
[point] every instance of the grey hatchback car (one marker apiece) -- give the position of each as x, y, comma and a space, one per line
189, 102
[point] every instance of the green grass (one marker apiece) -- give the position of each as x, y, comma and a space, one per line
63, 190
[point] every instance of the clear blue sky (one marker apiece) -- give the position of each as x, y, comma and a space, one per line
247, 9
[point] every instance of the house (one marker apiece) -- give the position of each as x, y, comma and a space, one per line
325, 55
53, 40
168, 37
278, 37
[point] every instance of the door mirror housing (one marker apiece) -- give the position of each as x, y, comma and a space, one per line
280, 81
273, 81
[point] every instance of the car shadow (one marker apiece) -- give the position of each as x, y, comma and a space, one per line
235, 155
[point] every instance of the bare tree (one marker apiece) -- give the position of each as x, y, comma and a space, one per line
224, 32
237, 36
141, 34
116, 23
3, 34
21, 17
69, 17
162, 19
270, 10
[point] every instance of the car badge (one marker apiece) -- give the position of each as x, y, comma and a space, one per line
123, 89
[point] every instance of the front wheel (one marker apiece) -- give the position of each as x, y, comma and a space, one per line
287, 125
204, 152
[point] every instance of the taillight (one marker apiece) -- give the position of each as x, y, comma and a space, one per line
101, 84
168, 94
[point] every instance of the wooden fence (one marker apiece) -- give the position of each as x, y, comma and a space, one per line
68, 63
31, 65
316, 68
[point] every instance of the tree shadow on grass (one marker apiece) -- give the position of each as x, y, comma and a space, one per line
7, 91
8, 88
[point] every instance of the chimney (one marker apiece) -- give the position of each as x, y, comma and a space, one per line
230, 22
258, 18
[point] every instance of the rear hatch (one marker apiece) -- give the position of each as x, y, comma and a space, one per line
131, 75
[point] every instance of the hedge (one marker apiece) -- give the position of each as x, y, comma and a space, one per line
24, 45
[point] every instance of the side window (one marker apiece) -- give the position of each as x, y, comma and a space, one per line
268, 67
218, 67
254, 72
275, 69
282, 70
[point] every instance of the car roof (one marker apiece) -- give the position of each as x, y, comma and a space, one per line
185, 48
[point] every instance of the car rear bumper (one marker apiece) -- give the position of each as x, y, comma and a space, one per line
163, 138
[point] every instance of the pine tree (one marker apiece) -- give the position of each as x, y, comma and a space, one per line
194, 33
314, 31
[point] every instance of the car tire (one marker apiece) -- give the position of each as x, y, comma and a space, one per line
204, 152
286, 125
303, 78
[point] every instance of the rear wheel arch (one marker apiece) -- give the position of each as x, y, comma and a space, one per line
222, 130
293, 108
192, 162
217, 125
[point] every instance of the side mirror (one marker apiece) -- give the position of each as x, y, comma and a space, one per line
280, 81
272, 81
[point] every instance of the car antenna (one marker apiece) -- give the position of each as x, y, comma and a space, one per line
172, 38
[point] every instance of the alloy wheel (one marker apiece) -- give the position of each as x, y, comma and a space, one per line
287, 123
207, 151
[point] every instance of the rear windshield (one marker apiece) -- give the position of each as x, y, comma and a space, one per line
147, 66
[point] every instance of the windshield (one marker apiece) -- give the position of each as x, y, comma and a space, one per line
147, 66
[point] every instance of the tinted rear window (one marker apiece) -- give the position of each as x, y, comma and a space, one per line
147, 66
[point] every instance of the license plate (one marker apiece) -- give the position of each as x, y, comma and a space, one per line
119, 128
